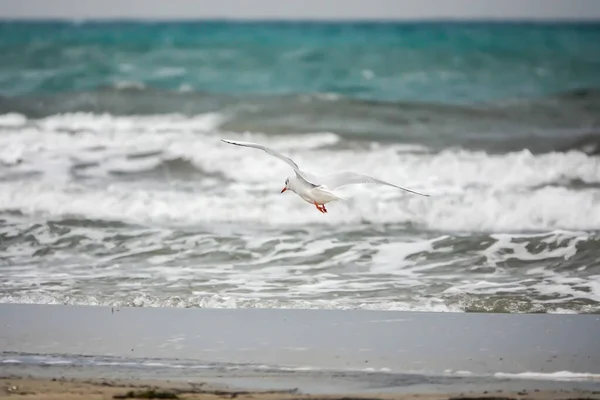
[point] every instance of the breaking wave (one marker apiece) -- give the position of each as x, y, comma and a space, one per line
561, 122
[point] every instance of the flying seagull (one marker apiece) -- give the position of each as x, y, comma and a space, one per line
316, 189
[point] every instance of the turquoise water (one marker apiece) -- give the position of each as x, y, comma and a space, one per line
427, 62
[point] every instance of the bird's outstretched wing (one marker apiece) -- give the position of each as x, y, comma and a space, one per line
272, 152
350, 178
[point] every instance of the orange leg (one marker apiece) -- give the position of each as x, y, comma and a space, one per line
321, 207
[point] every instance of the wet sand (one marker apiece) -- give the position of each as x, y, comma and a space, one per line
297, 352
88, 389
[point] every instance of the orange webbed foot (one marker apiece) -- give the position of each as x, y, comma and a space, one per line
320, 207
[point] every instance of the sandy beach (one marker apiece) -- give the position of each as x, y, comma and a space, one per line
84, 389
47, 351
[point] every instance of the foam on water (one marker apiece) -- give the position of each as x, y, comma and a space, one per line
470, 191
226, 302
129, 267
56, 360
205, 224
116, 188
554, 376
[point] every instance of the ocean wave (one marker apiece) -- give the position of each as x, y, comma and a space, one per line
554, 123
552, 376
157, 211
504, 303
217, 301
473, 211
70, 260
419, 304
115, 186
61, 165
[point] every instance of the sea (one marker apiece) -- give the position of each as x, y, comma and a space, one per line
116, 189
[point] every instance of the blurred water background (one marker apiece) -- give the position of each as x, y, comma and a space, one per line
115, 188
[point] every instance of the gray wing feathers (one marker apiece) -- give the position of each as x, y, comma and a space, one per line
267, 150
273, 153
351, 178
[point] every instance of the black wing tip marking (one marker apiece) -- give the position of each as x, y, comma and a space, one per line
415, 192
241, 144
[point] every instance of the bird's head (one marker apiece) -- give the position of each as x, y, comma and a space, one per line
287, 185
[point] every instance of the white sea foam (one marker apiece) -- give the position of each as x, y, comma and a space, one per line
12, 120
458, 372
172, 172
246, 202
57, 362
471, 191
554, 376
227, 302
129, 85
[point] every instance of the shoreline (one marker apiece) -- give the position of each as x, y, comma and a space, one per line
86, 389
312, 352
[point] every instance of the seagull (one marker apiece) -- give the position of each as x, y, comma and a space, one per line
315, 189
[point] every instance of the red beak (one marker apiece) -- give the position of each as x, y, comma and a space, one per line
284, 189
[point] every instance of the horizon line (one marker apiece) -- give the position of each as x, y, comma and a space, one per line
304, 19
